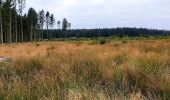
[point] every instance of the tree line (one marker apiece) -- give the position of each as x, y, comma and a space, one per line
107, 32
18, 27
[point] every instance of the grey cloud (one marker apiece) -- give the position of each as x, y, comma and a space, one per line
109, 13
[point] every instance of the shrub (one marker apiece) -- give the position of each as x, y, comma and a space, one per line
124, 42
102, 41
37, 45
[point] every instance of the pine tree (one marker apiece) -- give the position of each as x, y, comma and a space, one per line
52, 20
33, 21
1, 27
47, 22
52, 23
10, 26
21, 5
16, 25
8, 23
41, 21
59, 24
64, 24
69, 25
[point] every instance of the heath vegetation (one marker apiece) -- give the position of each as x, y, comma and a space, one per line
135, 70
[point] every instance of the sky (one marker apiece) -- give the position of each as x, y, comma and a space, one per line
90, 14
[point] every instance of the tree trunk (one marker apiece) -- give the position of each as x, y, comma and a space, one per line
16, 24
31, 34
16, 29
10, 30
59, 35
2, 41
47, 33
35, 34
5, 38
42, 34
22, 34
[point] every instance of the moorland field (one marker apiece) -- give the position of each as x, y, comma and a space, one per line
86, 70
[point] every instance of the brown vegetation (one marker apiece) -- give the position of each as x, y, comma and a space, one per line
135, 70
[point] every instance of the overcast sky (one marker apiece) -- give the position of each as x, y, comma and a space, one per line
108, 13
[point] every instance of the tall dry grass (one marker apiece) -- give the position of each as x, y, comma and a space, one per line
135, 70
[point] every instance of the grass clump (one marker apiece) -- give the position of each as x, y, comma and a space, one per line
151, 66
120, 59
52, 47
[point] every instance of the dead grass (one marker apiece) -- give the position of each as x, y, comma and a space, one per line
135, 70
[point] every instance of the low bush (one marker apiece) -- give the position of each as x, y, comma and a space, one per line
102, 41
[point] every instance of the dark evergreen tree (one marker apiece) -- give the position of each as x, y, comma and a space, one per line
21, 5
1, 28
69, 25
59, 28
47, 22
32, 22
41, 20
52, 21
64, 24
